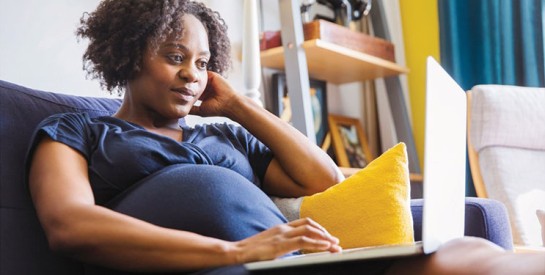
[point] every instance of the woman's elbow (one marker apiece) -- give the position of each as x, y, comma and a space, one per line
319, 186
66, 239
327, 181
61, 244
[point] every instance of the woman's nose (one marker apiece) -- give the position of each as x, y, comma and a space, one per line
188, 74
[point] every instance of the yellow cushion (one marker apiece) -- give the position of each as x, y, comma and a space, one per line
372, 207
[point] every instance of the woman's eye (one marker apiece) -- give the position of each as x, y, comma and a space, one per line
176, 58
202, 64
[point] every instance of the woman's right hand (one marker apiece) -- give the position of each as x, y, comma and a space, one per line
301, 234
216, 98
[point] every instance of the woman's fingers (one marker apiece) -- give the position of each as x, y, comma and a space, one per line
310, 222
302, 234
215, 97
312, 232
304, 243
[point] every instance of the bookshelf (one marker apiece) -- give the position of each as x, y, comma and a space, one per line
319, 59
336, 64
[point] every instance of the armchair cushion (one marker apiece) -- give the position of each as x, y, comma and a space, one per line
516, 177
504, 115
507, 135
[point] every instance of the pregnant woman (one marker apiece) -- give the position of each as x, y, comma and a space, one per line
164, 55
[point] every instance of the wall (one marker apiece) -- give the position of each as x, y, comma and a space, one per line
421, 36
38, 47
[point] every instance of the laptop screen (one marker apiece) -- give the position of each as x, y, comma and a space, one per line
444, 158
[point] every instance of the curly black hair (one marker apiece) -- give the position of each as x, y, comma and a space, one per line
119, 33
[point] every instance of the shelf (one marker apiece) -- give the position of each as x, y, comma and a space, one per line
334, 63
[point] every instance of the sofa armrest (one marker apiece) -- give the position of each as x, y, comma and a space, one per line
484, 218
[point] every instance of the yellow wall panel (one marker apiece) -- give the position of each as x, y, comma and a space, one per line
421, 37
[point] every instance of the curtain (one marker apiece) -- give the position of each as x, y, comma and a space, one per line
493, 42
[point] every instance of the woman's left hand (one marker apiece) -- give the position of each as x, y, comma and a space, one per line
216, 97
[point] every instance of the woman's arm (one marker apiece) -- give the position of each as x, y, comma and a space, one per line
74, 225
299, 167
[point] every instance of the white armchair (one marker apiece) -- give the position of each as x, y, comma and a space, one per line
506, 139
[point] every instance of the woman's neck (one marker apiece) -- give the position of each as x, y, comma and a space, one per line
151, 122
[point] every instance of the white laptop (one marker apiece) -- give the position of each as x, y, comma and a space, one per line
444, 180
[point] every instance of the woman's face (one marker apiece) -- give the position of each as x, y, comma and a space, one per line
174, 77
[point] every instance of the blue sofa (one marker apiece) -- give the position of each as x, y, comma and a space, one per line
23, 246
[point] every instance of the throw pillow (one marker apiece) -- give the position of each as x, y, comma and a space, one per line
541, 217
372, 207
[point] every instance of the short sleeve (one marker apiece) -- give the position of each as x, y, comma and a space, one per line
68, 128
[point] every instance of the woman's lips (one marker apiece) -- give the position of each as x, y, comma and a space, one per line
184, 94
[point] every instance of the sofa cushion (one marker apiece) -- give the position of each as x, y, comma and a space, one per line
23, 248
21, 109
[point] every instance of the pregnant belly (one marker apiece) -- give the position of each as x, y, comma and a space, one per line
205, 199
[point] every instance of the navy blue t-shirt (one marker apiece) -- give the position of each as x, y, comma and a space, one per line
120, 153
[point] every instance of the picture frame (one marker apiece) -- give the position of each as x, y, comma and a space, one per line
281, 107
349, 141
